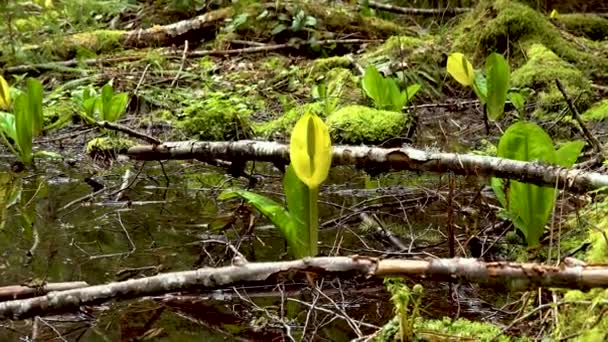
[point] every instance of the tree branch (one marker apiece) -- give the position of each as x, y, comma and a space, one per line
512, 276
405, 158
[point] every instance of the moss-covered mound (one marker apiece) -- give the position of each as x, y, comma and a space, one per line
597, 112
215, 118
281, 127
587, 25
539, 74
363, 125
107, 147
510, 27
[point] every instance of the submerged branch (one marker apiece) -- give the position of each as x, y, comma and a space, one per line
405, 158
512, 276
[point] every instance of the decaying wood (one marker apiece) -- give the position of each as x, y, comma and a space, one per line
22, 291
159, 35
417, 11
405, 158
178, 54
512, 276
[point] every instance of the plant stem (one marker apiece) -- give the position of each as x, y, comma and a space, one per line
313, 220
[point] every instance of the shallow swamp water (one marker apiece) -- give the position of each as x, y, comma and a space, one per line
57, 229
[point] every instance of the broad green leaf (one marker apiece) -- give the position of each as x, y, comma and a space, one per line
497, 73
529, 205
410, 91
23, 126
497, 185
396, 100
518, 101
5, 94
460, 69
117, 107
480, 86
34, 94
374, 86
7, 125
88, 106
567, 155
107, 92
310, 150
278, 29
301, 239
272, 210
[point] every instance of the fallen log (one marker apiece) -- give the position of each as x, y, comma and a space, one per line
23, 291
504, 275
404, 158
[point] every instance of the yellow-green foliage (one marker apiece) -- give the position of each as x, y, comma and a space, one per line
283, 125
589, 25
598, 112
216, 118
539, 74
509, 26
363, 125
342, 84
418, 60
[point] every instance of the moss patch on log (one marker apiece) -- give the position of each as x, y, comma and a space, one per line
363, 125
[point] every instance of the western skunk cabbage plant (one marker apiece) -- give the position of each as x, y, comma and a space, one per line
310, 153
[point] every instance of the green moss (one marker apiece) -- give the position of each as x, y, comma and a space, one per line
539, 74
282, 126
323, 65
588, 25
363, 125
508, 26
108, 146
598, 112
587, 322
215, 118
98, 41
462, 328
342, 84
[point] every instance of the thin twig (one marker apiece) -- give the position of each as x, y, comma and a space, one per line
129, 131
597, 147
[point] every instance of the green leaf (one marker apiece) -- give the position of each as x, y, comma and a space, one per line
410, 91
23, 126
480, 86
107, 92
567, 155
117, 107
301, 239
88, 106
278, 29
528, 205
374, 86
497, 73
497, 185
272, 210
34, 93
7, 125
396, 100
518, 101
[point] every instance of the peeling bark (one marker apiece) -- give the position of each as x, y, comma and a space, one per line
512, 276
405, 158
